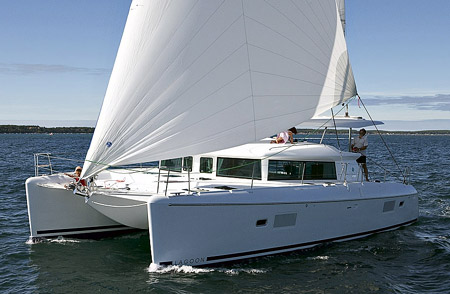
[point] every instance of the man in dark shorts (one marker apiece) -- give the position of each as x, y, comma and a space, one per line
359, 145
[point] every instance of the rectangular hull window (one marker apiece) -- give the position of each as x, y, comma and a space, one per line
285, 220
389, 206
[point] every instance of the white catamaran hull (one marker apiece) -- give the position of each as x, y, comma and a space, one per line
223, 226
56, 211
196, 230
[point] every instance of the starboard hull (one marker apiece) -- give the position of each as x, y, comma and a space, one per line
263, 222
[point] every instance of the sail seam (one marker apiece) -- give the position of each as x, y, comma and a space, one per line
338, 18
187, 44
290, 40
206, 74
249, 69
295, 61
138, 145
195, 83
298, 27
293, 78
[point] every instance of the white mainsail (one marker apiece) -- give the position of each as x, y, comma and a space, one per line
194, 76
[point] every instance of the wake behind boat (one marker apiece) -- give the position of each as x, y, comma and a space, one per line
193, 80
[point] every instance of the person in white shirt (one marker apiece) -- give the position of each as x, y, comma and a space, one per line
359, 145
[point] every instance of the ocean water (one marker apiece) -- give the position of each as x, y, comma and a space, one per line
413, 259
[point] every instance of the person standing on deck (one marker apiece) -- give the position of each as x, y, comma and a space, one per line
359, 145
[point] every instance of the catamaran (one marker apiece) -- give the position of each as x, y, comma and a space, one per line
196, 87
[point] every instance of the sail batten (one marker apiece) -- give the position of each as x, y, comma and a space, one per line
193, 76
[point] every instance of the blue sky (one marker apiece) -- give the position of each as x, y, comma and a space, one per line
56, 58
400, 53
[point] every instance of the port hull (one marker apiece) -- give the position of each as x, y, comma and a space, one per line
55, 211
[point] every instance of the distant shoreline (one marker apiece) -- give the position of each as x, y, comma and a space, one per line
20, 129
32, 129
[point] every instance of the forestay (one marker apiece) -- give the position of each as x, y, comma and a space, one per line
193, 76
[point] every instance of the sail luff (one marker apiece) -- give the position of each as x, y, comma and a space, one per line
193, 76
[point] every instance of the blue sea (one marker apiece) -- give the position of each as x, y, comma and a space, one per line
413, 259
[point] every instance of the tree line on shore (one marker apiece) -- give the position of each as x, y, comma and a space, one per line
19, 129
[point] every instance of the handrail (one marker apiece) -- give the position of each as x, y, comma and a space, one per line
47, 166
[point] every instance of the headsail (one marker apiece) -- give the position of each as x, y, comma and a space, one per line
197, 76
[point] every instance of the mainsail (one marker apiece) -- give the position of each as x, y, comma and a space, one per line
194, 76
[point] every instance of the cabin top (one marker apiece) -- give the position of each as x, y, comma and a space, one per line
298, 151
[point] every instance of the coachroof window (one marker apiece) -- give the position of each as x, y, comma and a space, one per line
239, 168
296, 170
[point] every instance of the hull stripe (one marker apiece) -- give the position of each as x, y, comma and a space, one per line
294, 246
81, 229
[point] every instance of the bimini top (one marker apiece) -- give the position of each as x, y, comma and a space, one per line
340, 122
300, 151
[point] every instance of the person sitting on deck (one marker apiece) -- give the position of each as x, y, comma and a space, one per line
285, 137
76, 175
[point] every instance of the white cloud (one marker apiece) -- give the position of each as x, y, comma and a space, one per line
438, 102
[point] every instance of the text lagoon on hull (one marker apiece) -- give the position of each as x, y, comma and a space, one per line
196, 85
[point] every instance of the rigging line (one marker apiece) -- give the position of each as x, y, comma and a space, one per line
119, 206
379, 133
335, 129
315, 131
295, 144
385, 169
67, 159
